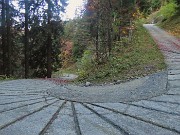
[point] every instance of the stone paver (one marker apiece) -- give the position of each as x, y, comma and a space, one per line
145, 106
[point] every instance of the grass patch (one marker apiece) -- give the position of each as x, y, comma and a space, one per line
5, 78
70, 70
140, 58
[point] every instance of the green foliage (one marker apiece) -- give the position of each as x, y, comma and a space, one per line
149, 6
40, 28
155, 4
85, 64
38, 61
165, 13
5, 78
172, 25
69, 29
81, 37
99, 29
77, 31
78, 50
86, 60
168, 10
139, 58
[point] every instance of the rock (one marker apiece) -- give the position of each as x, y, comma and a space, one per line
118, 81
88, 84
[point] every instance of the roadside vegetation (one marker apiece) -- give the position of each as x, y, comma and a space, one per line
172, 25
105, 42
132, 52
168, 17
5, 78
139, 58
30, 37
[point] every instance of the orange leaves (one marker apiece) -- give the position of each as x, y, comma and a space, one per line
66, 54
137, 14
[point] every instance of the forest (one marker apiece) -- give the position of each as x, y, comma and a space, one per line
34, 38
30, 37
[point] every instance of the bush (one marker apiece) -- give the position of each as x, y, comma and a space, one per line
78, 50
85, 64
139, 58
168, 10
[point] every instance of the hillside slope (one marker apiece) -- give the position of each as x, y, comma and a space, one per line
140, 58
172, 25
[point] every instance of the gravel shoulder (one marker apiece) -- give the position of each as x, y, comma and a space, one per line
138, 89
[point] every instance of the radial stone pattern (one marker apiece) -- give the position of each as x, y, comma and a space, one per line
38, 107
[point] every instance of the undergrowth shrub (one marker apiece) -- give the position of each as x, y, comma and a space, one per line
85, 64
138, 58
169, 9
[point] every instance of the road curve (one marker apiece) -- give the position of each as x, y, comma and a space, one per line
26, 107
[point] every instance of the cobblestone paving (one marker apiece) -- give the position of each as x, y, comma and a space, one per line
27, 109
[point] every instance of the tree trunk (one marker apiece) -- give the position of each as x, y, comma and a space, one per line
26, 41
109, 27
8, 38
3, 37
97, 39
109, 40
49, 42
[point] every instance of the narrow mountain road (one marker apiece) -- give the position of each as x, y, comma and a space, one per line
170, 46
42, 107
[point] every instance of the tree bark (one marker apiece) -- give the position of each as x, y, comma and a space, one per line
8, 38
109, 39
26, 41
97, 38
49, 43
3, 37
109, 27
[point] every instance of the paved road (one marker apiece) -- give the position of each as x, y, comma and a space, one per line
28, 107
